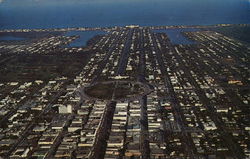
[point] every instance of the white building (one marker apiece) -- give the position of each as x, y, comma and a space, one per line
63, 109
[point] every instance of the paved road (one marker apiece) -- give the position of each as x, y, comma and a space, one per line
30, 126
169, 88
103, 131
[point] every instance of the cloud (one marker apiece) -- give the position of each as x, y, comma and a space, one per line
1, 1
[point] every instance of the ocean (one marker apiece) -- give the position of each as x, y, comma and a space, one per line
30, 14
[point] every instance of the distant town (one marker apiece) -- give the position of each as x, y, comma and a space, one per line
130, 93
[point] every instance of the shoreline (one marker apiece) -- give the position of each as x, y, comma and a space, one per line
117, 27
